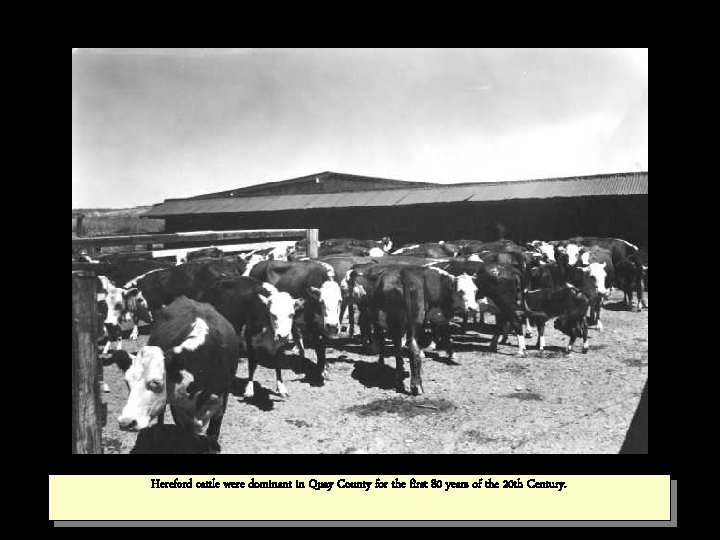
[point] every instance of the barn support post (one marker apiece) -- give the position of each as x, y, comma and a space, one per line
312, 243
86, 405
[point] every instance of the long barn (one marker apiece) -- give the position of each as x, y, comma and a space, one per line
346, 205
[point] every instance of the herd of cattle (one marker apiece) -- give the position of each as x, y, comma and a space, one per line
208, 311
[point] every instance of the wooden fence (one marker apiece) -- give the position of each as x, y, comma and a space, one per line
87, 408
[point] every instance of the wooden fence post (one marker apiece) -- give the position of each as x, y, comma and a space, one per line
80, 226
312, 243
86, 405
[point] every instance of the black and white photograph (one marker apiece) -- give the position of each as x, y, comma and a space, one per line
360, 251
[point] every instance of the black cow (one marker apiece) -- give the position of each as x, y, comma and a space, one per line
569, 304
211, 252
342, 265
630, 278
399, 292
344, 246
446, 293
122, 271
161, 287
314, 283
189, 363
501, 288
619, 249
432, 250
260, 313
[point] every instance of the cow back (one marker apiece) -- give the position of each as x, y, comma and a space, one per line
293, 277
214, 362
236, 299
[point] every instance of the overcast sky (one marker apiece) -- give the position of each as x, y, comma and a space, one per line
151, 124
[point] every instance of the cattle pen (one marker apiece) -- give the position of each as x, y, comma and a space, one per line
88, 410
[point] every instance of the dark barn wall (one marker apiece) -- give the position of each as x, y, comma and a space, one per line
524, 220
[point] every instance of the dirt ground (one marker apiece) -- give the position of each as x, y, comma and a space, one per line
483, 403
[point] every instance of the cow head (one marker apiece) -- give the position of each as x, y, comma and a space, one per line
572, 251
113, 308
145, 379
329, 297
597, 274
547, 250
465, 293
136, 304
281, 311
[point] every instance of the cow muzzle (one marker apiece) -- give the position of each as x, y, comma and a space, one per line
127, 424
332, 329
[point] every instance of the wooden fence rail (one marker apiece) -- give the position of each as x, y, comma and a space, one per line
186, 237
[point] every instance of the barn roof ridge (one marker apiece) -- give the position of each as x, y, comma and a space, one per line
612, 184
392, 184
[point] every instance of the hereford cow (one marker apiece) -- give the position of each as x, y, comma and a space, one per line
439, 250
260, 313
189, 363
314, 283
619, 249
399, 292
116, 306
161, 287
501, 290
567, 304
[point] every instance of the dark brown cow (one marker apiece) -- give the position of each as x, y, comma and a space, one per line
189, 363
260, 313
399, 292
568, 304
314, 283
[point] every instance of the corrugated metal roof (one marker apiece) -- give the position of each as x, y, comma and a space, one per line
635, 183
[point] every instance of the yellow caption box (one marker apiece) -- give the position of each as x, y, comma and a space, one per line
112, 497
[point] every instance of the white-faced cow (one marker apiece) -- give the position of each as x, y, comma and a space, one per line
259, 312
189, 363
116, 306
314, 283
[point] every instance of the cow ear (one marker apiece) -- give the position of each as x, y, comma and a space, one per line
264, 299
122, 359
299, 303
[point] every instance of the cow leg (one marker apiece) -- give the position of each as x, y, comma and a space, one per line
446, 340
541, 339
320, 353
570, 345
598, 307
521, 340
252, 365
379, 342
397, 338
279, 383
134, 333
343, 308
584, 327
297, 337
416, 358
213, 430
351, 316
